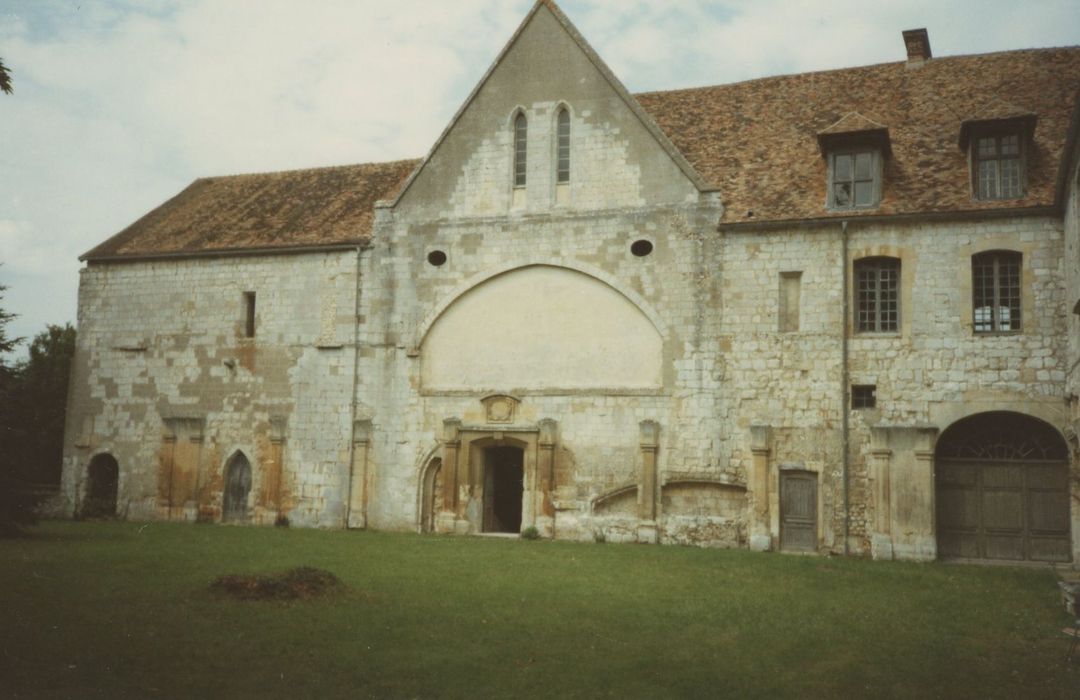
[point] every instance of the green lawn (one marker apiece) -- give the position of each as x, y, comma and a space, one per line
122, 610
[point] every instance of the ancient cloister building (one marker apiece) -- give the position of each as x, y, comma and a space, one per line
830, 312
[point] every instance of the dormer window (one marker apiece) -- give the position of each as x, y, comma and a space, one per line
998, 166
855, 148
521, 143
996, 141
855, 179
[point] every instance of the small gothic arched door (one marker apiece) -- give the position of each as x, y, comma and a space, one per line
1002, 483
237, 488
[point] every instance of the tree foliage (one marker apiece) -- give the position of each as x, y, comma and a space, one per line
33, 397
5, 79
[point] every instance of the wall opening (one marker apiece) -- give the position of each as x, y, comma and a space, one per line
103, 478
504, 487
1002, 488
431, 494
237, 489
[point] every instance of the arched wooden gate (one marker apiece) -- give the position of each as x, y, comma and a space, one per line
1002, 482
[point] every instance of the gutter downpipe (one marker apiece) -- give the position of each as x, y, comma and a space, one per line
352, 398
844, 381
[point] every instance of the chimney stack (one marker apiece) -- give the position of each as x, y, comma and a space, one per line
917, 42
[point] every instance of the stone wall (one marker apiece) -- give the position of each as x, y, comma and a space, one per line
166, 381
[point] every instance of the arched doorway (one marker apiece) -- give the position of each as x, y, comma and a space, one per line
237, 487
1002, 486
103, 478
504, 487
431, 503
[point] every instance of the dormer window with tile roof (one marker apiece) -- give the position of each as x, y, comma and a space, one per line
997, 143
855, 147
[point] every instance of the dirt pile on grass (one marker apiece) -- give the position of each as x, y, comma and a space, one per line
300, 583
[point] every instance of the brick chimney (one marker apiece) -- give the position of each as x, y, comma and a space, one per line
917, 42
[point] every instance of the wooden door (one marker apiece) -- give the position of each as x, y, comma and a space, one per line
798, 511
1004, 510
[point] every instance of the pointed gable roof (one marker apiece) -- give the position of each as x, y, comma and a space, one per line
756, 142
645, 118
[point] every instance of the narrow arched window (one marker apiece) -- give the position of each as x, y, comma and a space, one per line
521, 142
563, 170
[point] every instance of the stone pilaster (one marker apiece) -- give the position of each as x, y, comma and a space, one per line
360, 481
445, 521
760, 525
648, 481
545, 518
881, 544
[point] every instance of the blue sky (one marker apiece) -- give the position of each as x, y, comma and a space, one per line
119, 104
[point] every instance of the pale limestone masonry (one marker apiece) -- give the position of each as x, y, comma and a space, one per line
612, 348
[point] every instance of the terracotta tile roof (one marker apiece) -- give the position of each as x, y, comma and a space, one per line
851, 123
757, 142
299, 208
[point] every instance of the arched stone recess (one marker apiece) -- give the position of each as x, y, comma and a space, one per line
704, 512
542, 327
615, 515
429, 480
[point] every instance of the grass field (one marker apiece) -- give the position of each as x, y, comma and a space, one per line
122, 610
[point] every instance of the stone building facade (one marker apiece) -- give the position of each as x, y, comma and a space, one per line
832, 312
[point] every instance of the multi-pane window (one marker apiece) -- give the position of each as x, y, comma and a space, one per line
563, 154
521, 142
998, 167
877, 288
995, 278
864, 396
854, 181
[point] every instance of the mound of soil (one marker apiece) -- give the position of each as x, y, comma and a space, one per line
303, 582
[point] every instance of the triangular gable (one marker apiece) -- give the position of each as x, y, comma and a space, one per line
627, 99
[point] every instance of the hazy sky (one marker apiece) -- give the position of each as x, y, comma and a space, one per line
119, 104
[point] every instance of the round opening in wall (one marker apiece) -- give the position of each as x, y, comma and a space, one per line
641, 248
437, 258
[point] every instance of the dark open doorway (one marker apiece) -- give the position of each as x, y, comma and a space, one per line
504, 486
101, 488
237, 488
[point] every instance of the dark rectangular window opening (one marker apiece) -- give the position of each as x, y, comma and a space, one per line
864, 396
249, 314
